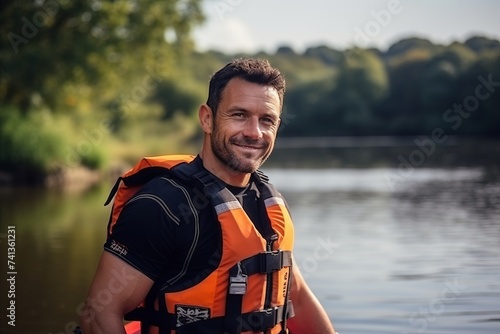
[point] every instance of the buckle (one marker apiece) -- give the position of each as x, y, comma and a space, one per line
238, 283
210, 185
271, 261
263, 320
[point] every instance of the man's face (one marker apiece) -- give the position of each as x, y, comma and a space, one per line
245, 125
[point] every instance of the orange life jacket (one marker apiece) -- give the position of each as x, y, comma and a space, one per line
131, 182
249, 290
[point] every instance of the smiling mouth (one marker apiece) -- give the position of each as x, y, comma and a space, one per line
249, 144
249, 147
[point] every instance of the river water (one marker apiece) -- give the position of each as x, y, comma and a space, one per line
385, 249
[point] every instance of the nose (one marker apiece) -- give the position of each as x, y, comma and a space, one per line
252, 128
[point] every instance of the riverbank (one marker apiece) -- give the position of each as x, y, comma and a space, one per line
75, 178
405, 153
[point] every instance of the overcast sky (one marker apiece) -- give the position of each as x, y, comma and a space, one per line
254, 25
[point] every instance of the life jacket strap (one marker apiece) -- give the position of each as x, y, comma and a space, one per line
152, 317
265, 319
113, 191
257, 321
262, 263
139, 178
261, 176
267, 262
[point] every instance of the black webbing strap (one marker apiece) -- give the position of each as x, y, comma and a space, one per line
141, 177
190, 171
113, 191
211, 186
259, 321
261, 176
234, 301
267, 262
154, 318
262, 263
251, 321
288, 307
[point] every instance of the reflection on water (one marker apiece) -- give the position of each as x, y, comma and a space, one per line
421, 256
418, 255
58, 240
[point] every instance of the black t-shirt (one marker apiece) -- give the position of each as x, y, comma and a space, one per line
169, 231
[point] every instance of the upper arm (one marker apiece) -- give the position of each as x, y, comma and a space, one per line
310, 317
117, 288
298, 284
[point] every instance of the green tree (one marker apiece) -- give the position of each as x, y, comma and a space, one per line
48, 48
64, 63
408, 45
481, 43
440, 83
482, 107
365, 74
362, 84
401, 110
342, 104
325, 54
175, 100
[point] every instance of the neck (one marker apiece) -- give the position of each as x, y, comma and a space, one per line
222, 171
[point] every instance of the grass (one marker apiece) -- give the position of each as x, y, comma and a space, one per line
29, 143
39, 143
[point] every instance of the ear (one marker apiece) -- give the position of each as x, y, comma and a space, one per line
206, 118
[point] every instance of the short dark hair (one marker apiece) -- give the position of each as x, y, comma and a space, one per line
253, 70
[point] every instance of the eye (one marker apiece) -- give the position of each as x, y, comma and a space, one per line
268, 120
238, 115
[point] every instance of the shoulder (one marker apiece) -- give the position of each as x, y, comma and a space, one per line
178, 199
169, 188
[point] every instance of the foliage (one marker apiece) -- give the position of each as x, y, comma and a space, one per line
39, 143
50, 47
407, 90
174, 99
88, 64
27, 146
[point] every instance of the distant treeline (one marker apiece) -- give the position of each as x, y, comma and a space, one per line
412, 88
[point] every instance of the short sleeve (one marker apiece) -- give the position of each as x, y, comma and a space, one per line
143, 237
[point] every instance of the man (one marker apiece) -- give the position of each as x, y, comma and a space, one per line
197, 268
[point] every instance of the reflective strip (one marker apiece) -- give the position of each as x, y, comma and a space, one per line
226, 206
273, 201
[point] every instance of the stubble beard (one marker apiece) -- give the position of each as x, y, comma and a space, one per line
223, 152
